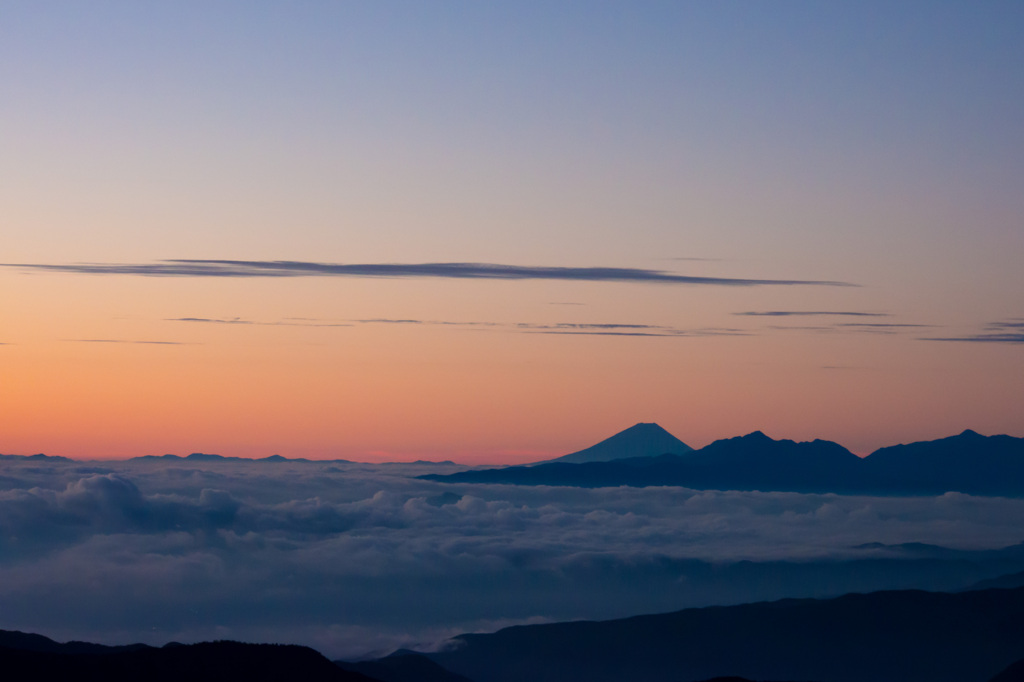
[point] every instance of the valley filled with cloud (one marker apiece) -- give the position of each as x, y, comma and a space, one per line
356, 559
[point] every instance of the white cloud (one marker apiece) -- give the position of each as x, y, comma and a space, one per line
358, 557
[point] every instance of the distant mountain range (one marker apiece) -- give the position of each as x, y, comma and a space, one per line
967, 463
647, 455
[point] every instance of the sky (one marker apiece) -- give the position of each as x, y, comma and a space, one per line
499, 232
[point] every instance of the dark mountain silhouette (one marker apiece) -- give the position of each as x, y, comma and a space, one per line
206, 457
25, 641
756, 462
752, 462
403, 666
1013, 673
729, 679
1008, 581
40, 456
904, 636
33, 657
968, 463
639, 440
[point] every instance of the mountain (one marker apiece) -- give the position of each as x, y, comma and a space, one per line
968, 463
639, 440
403, 666
900, 636
1006, 581
757, 462
751, 462
34, 657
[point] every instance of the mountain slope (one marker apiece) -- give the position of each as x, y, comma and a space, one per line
906, 636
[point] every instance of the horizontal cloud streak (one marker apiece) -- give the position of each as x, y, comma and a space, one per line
144, 343
563, 328
1007, 325
981, 338
240, 268
243, 322
881, 325
810, 313
1005, 331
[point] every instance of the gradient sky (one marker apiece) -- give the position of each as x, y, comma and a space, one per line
859, 167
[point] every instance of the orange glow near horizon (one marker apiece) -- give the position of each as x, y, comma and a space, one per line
379, 391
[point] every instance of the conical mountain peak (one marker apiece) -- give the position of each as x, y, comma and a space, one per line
645, 439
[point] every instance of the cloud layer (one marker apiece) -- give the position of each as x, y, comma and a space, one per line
352, 557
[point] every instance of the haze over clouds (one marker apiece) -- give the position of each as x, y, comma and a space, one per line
352, 557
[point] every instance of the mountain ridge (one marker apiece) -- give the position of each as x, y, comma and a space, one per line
892, 636
968, 463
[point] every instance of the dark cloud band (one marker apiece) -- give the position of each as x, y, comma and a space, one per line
240, 268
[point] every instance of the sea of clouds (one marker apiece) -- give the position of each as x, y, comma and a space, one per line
355, 558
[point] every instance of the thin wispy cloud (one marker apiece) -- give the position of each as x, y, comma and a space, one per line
631, 330
982, 338
443, 323
597, 326
1004, 331
290, 322
565, 328
240, 268
130, 341
889, 329
881, 325
567, 332
1007, 325
810, 313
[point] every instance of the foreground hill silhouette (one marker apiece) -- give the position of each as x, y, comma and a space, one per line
968, 463
895, 636
1013, 673
901, 636
34, 657
403, 666
639, 440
